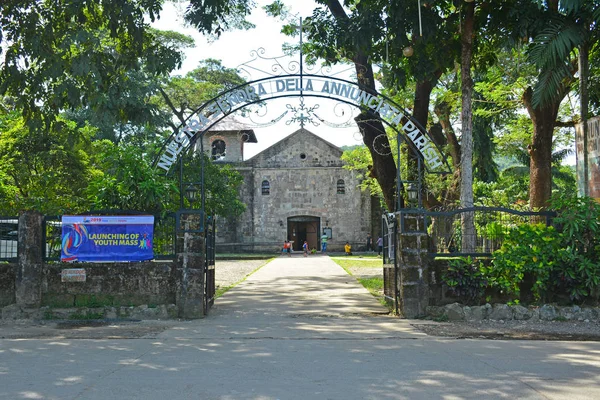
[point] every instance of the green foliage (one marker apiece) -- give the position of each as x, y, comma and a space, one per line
466, 278
222, 184
129, 182
529, 249
63, 55
359, 159
563, 260
579, 222
46, 171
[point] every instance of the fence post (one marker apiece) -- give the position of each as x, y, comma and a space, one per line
413, 266
190, 263
28, 285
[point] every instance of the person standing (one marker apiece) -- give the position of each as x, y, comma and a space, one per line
287, 248
348, 249
379, 245
324, 242
305, 248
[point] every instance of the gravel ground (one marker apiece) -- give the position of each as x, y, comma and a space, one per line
230, 272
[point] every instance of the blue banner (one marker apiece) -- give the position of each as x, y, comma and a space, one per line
107, 238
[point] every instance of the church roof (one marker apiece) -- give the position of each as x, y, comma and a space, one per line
299, 135
302, 143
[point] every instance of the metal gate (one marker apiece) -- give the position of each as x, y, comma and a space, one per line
209, 264
390, 263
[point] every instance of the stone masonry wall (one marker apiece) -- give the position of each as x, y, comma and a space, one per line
302, 171
111, 284
7, 284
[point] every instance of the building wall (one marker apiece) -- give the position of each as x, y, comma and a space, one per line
303, 172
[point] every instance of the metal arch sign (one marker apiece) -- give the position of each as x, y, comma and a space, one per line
261, 90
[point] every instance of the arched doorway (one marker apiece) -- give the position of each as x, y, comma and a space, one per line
301, 228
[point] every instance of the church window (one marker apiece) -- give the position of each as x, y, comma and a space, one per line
341, 186
303, 156
266, 187
218, 149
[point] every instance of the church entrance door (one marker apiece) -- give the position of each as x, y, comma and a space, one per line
303, 228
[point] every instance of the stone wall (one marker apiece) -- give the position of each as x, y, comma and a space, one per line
111, 284
505, 312
8, 273
302, 171
33, 288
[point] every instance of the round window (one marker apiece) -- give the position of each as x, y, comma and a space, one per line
303, 156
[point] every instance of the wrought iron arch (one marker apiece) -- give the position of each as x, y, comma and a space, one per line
312, 86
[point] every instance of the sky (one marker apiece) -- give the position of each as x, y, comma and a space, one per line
234, 48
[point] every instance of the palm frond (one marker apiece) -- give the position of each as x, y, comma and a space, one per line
560, 155
550, 84
554, 44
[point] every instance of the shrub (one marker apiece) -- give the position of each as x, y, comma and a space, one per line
467, 279
529, 249
578, 219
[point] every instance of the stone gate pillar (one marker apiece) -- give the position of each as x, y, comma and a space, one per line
190, 263
413, 266
28, 284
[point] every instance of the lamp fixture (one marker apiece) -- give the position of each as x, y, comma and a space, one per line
413, 193
408, 51
191, 193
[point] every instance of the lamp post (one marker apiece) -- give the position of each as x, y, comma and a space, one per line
191, 193
412, 190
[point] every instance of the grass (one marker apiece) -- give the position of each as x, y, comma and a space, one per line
347, 262
374, 284
222, 290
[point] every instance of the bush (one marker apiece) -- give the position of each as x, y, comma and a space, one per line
557, 261
528, 250
467, 279
578, 219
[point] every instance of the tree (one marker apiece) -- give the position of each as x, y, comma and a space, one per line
46, 172
182, 96
572, 26
466, 161
63, 55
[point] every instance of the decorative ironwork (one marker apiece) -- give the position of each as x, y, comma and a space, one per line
302, 114
264, 66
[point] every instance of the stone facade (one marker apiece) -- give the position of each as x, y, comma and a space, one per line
295, 189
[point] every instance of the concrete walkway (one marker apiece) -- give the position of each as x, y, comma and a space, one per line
299, 297
299, 328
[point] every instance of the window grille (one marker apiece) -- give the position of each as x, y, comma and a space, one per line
266, 188
341, 186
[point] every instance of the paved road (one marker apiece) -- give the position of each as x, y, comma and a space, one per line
299, 328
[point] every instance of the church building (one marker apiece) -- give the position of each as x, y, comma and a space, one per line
297, 189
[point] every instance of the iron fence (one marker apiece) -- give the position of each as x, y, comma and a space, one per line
492, 224
209, 264
9, 227
163, 243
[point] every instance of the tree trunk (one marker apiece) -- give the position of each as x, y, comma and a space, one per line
466, 162
540, 150
584, 70
442, 110
371, 127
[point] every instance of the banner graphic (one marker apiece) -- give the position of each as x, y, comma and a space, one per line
107, 238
